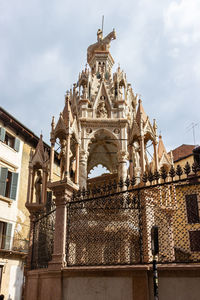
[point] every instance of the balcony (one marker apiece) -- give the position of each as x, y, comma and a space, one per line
13, 245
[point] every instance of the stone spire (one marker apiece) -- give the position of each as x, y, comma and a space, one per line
140, 113
163, 157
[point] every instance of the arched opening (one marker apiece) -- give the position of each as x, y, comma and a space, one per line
103, 149
98, 171
149, 155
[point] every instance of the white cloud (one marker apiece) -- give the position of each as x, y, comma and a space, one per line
182, 21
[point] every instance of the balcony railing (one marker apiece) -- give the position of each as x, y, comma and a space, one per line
13, 244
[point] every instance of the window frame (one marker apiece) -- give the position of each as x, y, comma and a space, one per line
9, 139
8, 183
192, 208
194, 240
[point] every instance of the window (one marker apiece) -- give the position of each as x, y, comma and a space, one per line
192, 208
8, 183
1, 274
5, 235
194, 240
9, 140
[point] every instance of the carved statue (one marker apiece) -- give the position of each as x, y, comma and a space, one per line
62, 157
102, 44
38, 187
102, 111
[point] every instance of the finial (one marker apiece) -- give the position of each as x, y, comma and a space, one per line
154, 124
53, 123
102, 25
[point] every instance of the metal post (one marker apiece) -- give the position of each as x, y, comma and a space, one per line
155, 278
155, 251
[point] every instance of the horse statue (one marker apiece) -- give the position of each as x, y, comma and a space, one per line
103, 44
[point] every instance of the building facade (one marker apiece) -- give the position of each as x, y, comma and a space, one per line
16, 142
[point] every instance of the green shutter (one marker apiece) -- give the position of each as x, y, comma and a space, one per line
3, 177
17, 144
13, 188
2, 134
8, 236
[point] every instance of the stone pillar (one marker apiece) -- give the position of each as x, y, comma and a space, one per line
58, 257
51, 160
77, 164
131, 160
30, 174
155, 155
83, 169
44, 187
142, 154
63, 193
122, 167
67, 155
32, 184
30, 245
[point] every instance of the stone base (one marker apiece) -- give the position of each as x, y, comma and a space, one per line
57, 262
113, 283
43, 285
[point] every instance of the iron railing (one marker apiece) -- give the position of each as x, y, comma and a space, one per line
111, 224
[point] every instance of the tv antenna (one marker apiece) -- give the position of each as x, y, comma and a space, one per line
192, 127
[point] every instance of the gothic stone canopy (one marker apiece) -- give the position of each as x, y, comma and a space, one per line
102, 121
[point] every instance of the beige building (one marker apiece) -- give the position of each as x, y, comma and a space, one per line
16, 142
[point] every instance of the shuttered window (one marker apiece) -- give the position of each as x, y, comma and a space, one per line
192, 208
5, 235
2, 134
8, 183
9, 139
17, 144
194, 240
8, 236
13, 187
3, 178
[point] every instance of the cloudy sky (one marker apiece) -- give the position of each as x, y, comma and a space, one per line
43, 47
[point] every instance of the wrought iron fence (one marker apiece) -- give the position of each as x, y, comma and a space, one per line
114, 228
43, 237
104, 230
111, 224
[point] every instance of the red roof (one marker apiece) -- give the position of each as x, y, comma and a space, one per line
182, 151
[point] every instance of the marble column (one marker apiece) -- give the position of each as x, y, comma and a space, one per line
83, 169
52, 160
155, 155
30, 174
142, 163
32, 184
122, 167
62, 195
67, 155
30, 244
77, 164
130, 160
44, 187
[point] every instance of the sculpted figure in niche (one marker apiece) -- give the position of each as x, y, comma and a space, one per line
38, 187
62, 157
102, 111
